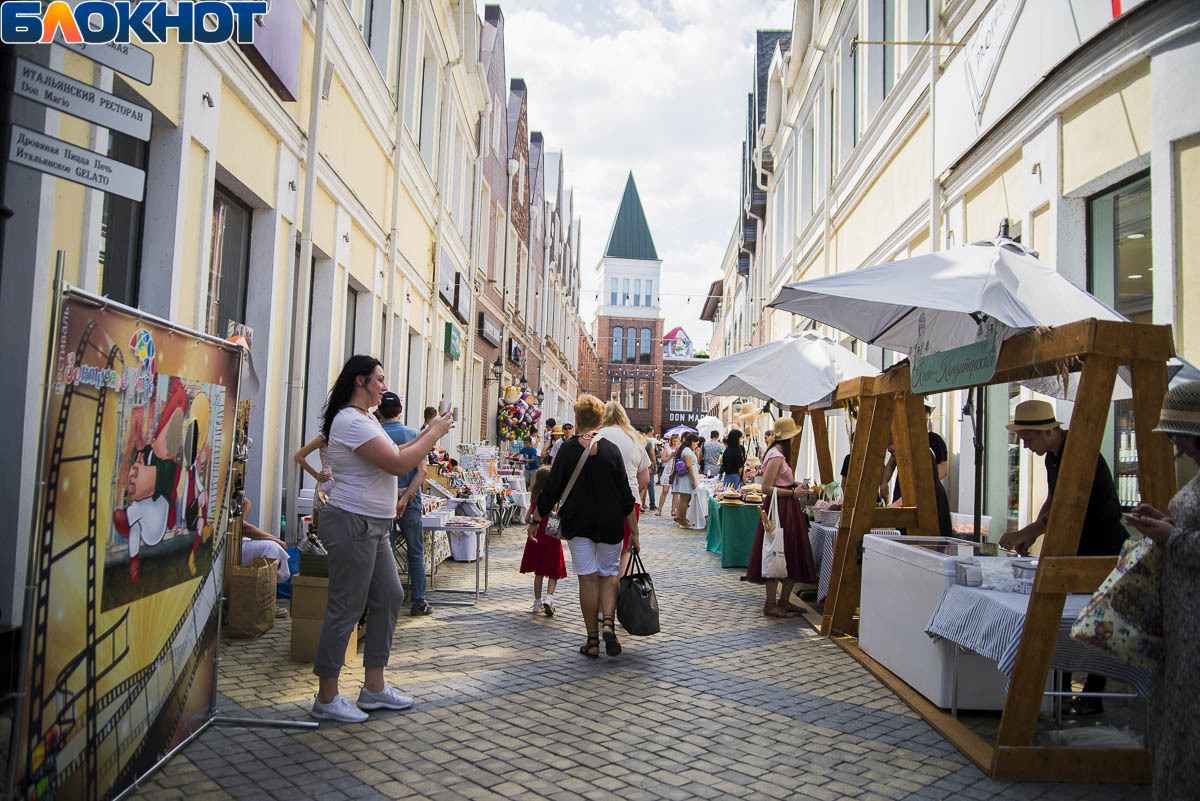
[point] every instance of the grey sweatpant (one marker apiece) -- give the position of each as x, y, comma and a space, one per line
362, 572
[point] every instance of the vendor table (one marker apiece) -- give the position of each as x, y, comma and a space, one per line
823, 538
479, 532
989, 622
731, 531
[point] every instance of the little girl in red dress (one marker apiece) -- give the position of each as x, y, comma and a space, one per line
543, 555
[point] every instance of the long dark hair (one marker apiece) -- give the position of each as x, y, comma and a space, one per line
343, 388
685, 442
733, 439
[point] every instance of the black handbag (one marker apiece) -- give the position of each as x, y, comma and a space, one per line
637, 605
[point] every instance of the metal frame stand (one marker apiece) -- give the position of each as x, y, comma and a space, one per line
481, 541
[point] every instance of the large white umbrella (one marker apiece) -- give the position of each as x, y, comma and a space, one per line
801, 370
940, 298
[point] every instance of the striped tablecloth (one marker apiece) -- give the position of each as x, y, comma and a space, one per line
823, 538
989, 623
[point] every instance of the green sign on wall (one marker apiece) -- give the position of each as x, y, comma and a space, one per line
453, 347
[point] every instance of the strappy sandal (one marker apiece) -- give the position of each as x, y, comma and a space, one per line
772, 610
612, 646
791, 607
591, 649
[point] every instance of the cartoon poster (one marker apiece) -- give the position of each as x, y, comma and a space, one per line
127, 557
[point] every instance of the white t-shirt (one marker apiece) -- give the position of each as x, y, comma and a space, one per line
359, 486
632, 454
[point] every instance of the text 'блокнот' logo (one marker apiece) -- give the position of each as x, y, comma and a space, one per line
122, 21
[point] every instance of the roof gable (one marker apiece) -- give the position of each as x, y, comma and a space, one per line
630, 235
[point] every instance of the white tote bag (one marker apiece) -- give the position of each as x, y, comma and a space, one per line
774, 561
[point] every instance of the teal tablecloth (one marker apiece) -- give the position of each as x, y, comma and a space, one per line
731, 532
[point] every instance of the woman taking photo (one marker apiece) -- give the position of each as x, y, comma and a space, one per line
686, 477
1175, 689
779, 481
593, 519
733, 460
355, 525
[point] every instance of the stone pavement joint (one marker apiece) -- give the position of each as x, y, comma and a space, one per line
724, 703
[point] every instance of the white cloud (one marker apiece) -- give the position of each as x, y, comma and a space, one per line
657, 87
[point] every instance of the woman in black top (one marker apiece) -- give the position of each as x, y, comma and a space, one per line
733, 460
593, 518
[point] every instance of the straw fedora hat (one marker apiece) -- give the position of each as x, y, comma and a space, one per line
556, 430
1033, 415
1181, 410
785, 428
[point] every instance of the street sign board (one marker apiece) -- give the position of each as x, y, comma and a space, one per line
63, 93
127, 59
74, 163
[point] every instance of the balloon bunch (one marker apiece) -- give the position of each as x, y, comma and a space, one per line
518, 414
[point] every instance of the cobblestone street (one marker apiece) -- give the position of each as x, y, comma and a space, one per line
724, 703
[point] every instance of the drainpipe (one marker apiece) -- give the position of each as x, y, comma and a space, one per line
295, 433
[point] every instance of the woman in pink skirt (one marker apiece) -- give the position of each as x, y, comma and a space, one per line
543, 555
778, 479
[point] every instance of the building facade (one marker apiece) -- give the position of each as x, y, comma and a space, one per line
629, 321
333, 187
1068, 122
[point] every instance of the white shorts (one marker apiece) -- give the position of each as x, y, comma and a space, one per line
588, 557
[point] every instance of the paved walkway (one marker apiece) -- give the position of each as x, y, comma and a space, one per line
723, 704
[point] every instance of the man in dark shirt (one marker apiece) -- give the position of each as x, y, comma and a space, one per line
1103, 533
941, 460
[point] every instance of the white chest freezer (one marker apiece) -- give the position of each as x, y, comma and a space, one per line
903, 580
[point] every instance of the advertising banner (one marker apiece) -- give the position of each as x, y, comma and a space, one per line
127, 557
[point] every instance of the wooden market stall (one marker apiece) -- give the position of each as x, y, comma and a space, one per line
1095, 349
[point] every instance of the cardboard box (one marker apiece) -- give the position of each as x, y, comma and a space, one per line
309, 596
305, 634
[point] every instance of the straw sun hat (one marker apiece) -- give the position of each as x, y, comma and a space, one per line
1181, 410
1033, 415
785, 428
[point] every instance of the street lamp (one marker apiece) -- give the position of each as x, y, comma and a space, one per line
497, 370
541, 396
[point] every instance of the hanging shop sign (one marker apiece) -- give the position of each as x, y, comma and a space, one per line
124, 57
73, 163
462, 297
958, 367
453, 344
63, 93
127, 559
516, 353
986, 48
489, 329
275, 51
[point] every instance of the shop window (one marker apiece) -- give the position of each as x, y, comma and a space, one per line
644, 355
643, 391
350, 320
614, 390
229, 263
1121, 274
629, 394
618, 334
121, 228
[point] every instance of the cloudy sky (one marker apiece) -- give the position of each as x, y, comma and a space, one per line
657, 87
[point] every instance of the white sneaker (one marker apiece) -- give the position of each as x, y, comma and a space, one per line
339, 709
548, 606
387, 698
537, 606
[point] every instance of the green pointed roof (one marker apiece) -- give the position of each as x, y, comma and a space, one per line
630, 236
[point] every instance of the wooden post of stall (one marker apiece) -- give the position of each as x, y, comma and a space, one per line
913, 464
866, 471
821, 440
1067, 509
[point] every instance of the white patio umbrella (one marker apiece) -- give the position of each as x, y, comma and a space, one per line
801, 370
708, 424
951, 291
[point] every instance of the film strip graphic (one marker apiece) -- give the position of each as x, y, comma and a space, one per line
116, 723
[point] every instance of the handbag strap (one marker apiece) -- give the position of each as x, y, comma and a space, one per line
587, 449
634, 558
